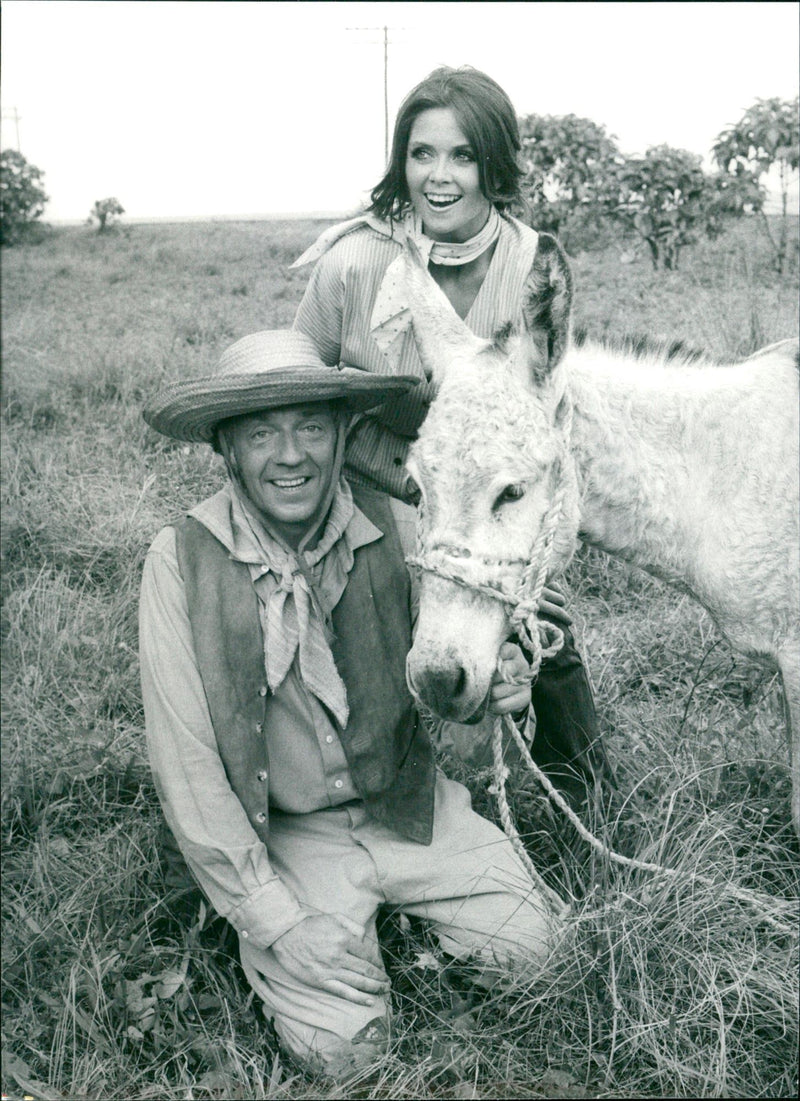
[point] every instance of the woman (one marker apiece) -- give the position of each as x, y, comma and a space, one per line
452, 182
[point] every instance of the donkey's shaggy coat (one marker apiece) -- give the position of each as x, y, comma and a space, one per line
688, 469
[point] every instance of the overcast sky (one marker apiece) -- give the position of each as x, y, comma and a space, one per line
204, 108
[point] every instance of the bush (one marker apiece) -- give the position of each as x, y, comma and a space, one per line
22, 197
105, 212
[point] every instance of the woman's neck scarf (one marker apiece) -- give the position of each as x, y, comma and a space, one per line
391, 316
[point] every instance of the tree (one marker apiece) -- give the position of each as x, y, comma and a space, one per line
105, 211
765, 137
22, 197
668, 200
571, 168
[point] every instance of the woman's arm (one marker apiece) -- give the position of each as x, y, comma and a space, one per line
321, 309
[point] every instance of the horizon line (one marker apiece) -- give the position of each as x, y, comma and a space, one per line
276, 216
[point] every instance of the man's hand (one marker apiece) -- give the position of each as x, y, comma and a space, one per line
328, 951
552, 603
505, 699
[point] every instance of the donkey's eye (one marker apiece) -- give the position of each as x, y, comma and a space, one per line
509, 494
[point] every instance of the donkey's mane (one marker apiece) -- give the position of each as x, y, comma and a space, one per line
641, 346
631, 345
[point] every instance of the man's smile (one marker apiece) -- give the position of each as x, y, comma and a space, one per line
290, 483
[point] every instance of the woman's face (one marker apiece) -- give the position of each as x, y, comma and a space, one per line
442, 177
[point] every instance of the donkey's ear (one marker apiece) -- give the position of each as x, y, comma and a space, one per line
441, 336
414, 255
546, 306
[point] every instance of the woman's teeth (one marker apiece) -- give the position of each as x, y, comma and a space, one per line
441, 202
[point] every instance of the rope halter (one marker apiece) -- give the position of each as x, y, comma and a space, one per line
540, 638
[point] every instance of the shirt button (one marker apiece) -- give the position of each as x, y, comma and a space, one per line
262, 690
261, 817
243, 933
259, 727
339, 784
329, 738
262, 775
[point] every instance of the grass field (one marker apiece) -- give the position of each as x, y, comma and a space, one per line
666, 986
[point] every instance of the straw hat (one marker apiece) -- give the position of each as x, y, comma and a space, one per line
263, 371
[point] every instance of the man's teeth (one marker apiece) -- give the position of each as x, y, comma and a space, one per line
288, 483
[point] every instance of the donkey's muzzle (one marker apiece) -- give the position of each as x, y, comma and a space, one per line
444, 688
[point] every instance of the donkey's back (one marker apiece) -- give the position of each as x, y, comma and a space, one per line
753, 535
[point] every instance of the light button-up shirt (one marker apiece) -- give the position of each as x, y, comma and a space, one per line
307, 766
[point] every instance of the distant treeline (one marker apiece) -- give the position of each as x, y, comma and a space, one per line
580, 186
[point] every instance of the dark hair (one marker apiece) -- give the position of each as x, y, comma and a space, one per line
485, 114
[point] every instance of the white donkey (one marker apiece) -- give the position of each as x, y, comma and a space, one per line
688, 470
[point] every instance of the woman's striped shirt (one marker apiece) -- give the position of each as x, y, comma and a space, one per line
335, 313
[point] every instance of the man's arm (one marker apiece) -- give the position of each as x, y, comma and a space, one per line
210, 825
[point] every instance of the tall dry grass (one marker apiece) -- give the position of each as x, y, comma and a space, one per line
115, 986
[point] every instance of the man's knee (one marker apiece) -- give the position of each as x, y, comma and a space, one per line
328, 1053
319, 1031
503, 930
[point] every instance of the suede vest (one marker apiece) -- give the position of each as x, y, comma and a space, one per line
387, 749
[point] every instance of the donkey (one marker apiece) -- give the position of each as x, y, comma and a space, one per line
686, 469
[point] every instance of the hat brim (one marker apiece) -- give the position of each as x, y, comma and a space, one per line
192, 410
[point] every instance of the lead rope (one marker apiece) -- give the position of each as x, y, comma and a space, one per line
544, 640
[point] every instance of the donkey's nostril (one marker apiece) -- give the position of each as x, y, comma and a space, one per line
443, 688
460, 682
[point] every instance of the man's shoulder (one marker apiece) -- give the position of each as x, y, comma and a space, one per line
374, 503
393, 518
213, 513
164, 543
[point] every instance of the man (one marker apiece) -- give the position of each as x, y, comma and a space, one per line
290, 762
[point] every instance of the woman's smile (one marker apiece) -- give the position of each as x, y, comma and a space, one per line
443, 179
441, 202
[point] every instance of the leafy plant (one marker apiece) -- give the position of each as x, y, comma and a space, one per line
667, 199
22, 197
571, 173
105, 212
582, 188
764, 138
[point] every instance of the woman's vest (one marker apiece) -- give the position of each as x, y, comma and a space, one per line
387, 749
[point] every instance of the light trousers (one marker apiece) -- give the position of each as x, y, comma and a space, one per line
469, 883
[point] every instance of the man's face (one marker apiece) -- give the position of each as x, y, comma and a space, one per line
285, 459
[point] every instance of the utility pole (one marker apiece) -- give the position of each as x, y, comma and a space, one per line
15, 115
385, 32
